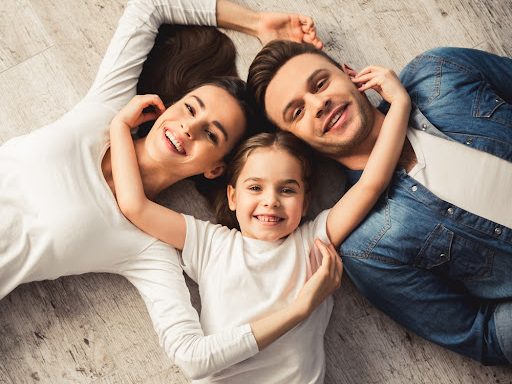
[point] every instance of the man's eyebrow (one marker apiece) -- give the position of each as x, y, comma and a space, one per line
214, 122
309, 85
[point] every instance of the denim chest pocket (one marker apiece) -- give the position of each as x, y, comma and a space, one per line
458, 257
489, 105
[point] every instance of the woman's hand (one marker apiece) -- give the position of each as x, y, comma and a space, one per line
140, 109
382, 80
323, 282
287, 26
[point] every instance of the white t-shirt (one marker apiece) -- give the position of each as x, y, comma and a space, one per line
449, 170
59, 217
242, 279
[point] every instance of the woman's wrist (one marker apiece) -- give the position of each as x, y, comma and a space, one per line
237, 17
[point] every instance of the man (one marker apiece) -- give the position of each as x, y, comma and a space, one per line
435, 253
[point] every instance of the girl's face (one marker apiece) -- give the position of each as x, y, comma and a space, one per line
193, 135
269, 196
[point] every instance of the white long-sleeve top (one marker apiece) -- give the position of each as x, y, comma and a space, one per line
59, 217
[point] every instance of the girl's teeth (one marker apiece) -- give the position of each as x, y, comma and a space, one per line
268, 218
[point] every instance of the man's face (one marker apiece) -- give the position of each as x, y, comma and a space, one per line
317, 102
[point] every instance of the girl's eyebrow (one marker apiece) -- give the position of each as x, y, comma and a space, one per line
287, 181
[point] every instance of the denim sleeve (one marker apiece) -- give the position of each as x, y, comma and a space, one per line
474, 64
430, 307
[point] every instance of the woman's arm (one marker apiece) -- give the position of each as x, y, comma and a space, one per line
154, 219
267, 26
357, 202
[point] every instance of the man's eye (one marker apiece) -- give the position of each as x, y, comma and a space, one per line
190, 109
212, 136
320, 84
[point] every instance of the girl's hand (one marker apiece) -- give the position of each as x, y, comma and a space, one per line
382, 80
324, 281
287, 26
140, 109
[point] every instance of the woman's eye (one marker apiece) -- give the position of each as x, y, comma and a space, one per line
297, 112
190, 109
212, 136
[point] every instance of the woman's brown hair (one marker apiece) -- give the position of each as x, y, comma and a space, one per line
278, 140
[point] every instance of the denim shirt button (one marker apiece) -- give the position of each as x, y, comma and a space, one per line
497, 231
469, 141
450, 211
443, 256
423, 127
414, 188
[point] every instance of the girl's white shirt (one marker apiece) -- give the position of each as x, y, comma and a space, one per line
242, 279
59, 217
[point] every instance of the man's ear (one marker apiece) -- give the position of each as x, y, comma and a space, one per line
230, 191
349, 71
215, 171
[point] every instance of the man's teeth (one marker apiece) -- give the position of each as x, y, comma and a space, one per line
268, 218
335, 118
174, 141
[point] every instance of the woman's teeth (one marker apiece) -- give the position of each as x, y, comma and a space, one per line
174, 142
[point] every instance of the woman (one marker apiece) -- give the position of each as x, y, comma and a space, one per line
59, 213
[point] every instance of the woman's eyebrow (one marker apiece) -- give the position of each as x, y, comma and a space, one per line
214, 122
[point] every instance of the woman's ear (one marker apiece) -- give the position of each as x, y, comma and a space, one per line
215, 171
230, 191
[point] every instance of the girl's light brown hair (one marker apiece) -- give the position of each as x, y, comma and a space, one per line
279, 140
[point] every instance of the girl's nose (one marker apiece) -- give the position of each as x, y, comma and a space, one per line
271, 200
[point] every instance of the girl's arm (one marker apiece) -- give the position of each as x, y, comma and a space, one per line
350, 210
154, 219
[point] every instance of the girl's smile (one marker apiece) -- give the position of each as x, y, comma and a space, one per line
269, 196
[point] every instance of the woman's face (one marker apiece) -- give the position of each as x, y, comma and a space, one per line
193, 135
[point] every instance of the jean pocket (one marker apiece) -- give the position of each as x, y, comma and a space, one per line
489, 105
456, 256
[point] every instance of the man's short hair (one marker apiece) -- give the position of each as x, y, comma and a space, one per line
269, 60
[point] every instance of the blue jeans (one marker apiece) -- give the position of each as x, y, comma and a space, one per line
444, 273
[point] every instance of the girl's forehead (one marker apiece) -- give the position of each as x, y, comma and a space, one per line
272, 162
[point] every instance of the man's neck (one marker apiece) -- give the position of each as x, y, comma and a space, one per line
357, 159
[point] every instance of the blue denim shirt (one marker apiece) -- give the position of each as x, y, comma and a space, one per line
439, 270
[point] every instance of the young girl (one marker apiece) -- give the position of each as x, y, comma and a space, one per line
247, 274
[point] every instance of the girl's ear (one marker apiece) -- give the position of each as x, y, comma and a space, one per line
215, 171
305, 205
231, 197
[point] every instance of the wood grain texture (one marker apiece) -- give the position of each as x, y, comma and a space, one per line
94, 328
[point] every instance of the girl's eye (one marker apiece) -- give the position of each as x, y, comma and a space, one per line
190, 109
288, 190
212, 136
255, 188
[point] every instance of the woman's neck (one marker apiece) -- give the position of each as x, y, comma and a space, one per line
154, 178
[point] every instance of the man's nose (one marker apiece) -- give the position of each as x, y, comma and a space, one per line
319, 105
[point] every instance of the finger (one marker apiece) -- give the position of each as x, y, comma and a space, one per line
326, 259
306, 22
369, 85
363, 78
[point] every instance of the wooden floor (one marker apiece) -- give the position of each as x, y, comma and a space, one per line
94, 328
